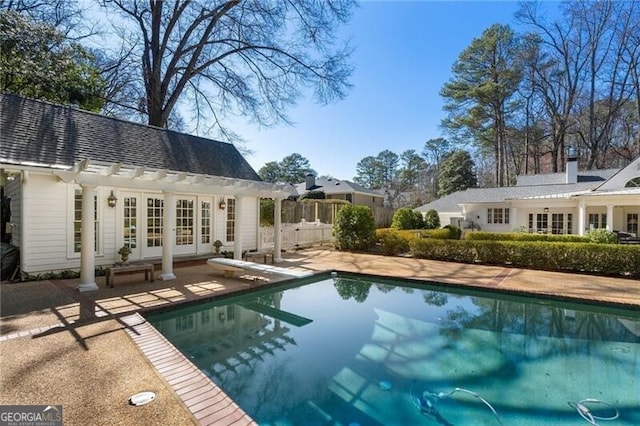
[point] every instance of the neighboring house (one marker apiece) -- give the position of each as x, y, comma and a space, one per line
335, 189
560, 203
83, 185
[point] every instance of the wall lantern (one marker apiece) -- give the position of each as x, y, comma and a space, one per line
222, 204
546, 209
112, 200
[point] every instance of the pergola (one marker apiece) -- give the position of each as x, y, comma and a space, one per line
91, 175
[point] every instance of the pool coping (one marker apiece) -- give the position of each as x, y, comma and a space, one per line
208, 403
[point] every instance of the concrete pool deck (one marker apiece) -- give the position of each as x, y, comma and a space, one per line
86, 352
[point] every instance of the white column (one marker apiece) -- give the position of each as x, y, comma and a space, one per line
88, 240
277, 230
513, 219
609, 218
258, 227
168, 236
239, 228
581, 217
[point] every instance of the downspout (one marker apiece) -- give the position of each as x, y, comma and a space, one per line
23, 209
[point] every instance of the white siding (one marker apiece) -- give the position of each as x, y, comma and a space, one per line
45, 225
250, 218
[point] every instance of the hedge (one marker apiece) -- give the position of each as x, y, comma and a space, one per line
609, 259
394, 241
521, 236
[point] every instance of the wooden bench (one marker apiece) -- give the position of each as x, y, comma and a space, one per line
114, 270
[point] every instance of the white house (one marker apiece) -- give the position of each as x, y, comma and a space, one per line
82, 185
559, 203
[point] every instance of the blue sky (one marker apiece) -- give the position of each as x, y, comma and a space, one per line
403, 55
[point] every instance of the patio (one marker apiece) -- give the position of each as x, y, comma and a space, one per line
59, 346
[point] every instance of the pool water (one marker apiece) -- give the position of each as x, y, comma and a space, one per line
352, 350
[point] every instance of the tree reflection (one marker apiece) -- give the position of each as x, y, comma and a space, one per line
533, 320
355, 289
435, 298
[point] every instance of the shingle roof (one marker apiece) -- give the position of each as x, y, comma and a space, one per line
332, 186
450, 203
40, 132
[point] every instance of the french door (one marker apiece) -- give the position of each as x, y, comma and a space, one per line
143, 224
154, 218
185, 242
131, 217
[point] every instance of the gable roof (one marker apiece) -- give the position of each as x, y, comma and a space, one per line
331, 186
451, 202
40, 133
589, 182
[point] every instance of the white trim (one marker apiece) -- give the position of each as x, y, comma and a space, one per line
141, 178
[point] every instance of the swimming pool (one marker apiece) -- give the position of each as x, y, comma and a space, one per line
363, 350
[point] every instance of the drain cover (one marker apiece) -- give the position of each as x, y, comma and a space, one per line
142, 398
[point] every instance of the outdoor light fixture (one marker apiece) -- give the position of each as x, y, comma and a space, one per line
112, 200
222, 204
546, 209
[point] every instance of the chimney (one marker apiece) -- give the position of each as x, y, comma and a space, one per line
310, 181
571, 169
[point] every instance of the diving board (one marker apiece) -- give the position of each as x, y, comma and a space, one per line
231, 266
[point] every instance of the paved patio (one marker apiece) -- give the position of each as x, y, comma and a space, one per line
90, 352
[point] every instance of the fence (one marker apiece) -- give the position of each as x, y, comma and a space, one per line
325, 211
295, 235
311, 223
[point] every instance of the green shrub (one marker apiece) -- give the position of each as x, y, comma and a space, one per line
393, 241
406, 218
440, 249
601, 236
553, 256
519, 236
431, 219
354, 228
454, 232
449, 232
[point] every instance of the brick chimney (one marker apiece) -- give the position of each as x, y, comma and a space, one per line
571, 170
310, 181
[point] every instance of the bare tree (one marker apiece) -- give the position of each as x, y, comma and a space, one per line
561, 72
585, 72
607, 28
249, 57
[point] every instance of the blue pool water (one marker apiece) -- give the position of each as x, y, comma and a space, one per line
352, 350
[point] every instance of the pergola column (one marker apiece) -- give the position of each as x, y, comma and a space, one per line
581, 217
238, 231
609, 218
168, 236
88, 240
277, 229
